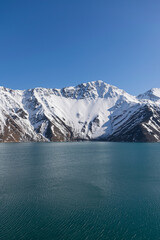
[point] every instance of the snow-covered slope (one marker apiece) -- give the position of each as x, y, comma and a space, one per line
89, 111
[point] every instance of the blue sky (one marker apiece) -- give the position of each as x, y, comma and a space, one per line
57, 43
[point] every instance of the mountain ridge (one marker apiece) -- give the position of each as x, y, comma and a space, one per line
89, 111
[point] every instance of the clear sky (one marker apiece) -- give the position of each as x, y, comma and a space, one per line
57, 43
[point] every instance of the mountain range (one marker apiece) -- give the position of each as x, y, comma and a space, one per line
90, 111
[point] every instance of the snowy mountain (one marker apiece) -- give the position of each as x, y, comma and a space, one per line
89, 111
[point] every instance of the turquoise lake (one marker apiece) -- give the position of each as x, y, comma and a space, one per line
80, 191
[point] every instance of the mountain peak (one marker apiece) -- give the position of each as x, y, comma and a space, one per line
153, 94
90, 90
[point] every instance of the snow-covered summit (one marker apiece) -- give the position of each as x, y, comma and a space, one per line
153, 95
93, 90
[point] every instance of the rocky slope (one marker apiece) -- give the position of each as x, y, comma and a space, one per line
89, 111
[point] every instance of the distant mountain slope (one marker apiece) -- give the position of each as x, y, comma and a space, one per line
89, 111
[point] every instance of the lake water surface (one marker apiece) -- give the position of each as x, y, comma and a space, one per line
78, 191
